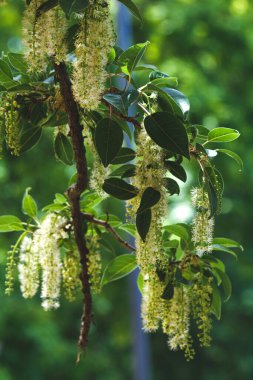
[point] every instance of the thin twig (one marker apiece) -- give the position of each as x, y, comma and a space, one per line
90, 218
129, 119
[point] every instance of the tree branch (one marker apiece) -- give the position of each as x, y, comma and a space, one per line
90, 218
74, 193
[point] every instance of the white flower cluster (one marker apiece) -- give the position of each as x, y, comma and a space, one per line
94, 263
93, 45
42, 252
28, 268
43, 36
203, 225
150, 172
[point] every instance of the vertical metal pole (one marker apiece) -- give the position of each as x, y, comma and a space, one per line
141, 348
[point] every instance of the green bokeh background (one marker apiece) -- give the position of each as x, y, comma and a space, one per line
209, 47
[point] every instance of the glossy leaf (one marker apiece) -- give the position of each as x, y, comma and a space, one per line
30, 136
132, 56
143, 221
9, 223
168, 292
118, 268
176, 170
165, 82
70, 6
233, 155
150, 198
223, 135
18, 62
119, 189
167, 131
117, 101
157, 74
63, 149
226, 283
124, 155
221, 248
108, 140
227, 242
132, 8
171, 185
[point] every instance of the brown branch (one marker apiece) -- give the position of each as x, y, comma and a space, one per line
90, 218
74, 193
129, 119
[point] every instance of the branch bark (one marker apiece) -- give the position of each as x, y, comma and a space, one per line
90, 218
74, 193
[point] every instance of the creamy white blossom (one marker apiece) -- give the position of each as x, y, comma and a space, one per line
28, 268
46, 242
93, 44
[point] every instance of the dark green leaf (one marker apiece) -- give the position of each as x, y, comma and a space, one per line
143, 221
46, 6
171, 185
30, 136
216, 302
132, 8
157, 74
233, 155
123, 171
150, 198
124, 155
168, 292
63, 149
120, 267
119, 188
167, 131
117, 101
9, 223
108, 140
226, 283
221, 248
70, 6
176, 170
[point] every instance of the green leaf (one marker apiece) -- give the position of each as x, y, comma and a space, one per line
178, 230
29, 137
216, 302
223, 135
143, 221
117, 101
18, 62
108, 140
176, 170
227, 243
29, 206
181, 100
221, 248
123, 171
165, 82
63, 149
171, 185
150, 198
233, 155
168, 292
132, 8
132, 56
165, 101
119, 189
46, 6
70, 6
157, 74
124, 155
120, 267
213, 200
226, 283
167, 131
129, 228
6, 79
9, 223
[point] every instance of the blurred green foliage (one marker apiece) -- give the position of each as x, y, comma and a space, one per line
209, 47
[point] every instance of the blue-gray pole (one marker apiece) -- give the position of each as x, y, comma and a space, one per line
141, 349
